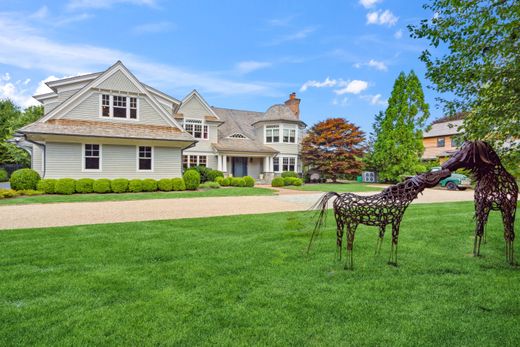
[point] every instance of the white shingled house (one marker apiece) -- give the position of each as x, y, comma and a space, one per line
109, 124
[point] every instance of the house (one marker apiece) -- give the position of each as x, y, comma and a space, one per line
109, 124
441, 140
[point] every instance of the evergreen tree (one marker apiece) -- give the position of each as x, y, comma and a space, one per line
398, 147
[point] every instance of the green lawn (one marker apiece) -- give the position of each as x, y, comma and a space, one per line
246, 280
44, 199
337, 187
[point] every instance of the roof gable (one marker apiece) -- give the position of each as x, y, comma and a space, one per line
195, 96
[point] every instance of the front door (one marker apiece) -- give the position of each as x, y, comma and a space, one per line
239, 166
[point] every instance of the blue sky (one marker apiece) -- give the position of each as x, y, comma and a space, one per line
341, 57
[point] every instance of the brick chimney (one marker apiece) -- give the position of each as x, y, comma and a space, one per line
294, 104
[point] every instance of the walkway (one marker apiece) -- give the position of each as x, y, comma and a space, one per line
78, 213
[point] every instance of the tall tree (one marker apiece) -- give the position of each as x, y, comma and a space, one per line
368, 159
334, 147
398, 147
481, 67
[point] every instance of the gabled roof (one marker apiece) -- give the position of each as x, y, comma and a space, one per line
237, 121
195, 94
242, 145
64, 81
444, 129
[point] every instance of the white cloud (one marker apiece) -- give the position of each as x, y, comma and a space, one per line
375, 99
6, 76
154, 27
382, 18
352, 87
245, 67
398, 34
99, 4
340, 102
298, 35
16, 91
316, 84
24, 47
369, 3
376, 64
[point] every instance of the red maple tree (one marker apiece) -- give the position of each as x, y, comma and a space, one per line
334, 147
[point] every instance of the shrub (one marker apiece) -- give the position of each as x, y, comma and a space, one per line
288, 181
191, 179
298, 182
119, 185
203, 172
30, 192
8, 193
219, 180
149, 185
24, 179
277, 182
238, 182
101, 186
165, 184
212, 175
226, 182
46, 185
289, 174
84, 185
4, 175
209, 185
249, 181
178, 184
135, 186
65, 186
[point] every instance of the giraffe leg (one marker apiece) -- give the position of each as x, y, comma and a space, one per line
508, 218
395, 239
340, 227
482, 216
351, 230
380, 239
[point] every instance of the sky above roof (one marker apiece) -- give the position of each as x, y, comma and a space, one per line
340, 57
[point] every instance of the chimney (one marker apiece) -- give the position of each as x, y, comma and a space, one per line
294, 104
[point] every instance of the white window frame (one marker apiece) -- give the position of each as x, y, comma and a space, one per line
137, 159
272, 127
281, 129
193, 122
280, 163
197, 162
83, 169
111, 110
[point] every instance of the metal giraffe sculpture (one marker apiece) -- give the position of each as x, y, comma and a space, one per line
496, 190
379, 210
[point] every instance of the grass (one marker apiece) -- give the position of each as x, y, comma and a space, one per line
45, 199
246, 280
337, 187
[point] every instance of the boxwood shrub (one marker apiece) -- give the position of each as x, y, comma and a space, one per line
46, 185
178, 184
277, 182
225, 182
65, 186
24, 179
249, 181
84, 185
149, 185
101, 186
212, 175
191, 179
119, 185
238, 182
289, 174
165, 185
219, 179
4, 175
135, 186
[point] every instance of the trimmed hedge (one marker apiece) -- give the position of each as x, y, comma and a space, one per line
178, 184
149, 185
226, 182
238, 182
101, 186
292, 181
65, 186
119, 185
165, 184
212, 175
4, 175
191, 179
209, 185
135, 186
249, 181
46, 185
277, 182
289, 174
8, 193
84, 185
219, 180
24, 179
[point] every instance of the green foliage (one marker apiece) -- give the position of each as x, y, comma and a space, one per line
84, 185
219, 179
238, 182
475, 60
226, 182
289, 174
191, 179
206, 174
101, 186
178, 184
8, 193
292, 181
212, 175
135, 186
30, 192
149, 185
119, 185
278, 182
209, 185
24, 179
297, 182
46, 185
4, 176
65, 186
249, 181
165, 184
398, 147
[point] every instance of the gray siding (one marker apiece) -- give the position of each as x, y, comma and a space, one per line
194, 109
64, 160
37, 160
50, 105
118, 81
255, 167
283, 148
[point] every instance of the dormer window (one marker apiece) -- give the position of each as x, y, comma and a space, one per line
119, 106
197, 128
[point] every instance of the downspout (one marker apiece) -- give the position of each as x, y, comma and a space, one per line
42, 146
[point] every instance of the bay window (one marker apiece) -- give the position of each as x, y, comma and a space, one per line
289, 135
272, 133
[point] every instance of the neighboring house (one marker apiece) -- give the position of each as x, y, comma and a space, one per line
111, 125
441, 140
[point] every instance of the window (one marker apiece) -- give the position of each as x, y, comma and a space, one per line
281, 164
276, 164
441, 142
455, 141
119, 106
196, 128
145, 157
92, 157
202, 160
194, 160
289, 135
272, 133
105, 105
133, 108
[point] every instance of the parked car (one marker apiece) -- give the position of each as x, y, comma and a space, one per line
455, 181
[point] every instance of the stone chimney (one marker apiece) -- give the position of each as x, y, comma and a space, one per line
294, 104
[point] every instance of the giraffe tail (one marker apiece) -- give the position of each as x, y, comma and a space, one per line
321, 207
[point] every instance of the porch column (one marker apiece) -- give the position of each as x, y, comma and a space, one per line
271, 164
224, 163
266, 164
219, 162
